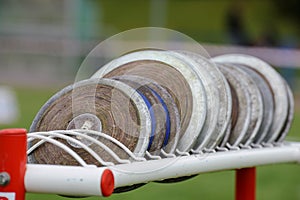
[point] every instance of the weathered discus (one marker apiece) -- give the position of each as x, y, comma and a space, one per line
256, 103
268, 102
94, 105
169, 108
174, 75
218, 100
241, 106
168, 102
290, 117
165, 118
277, 85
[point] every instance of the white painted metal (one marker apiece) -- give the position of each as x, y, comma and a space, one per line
74, 181
64, 180
49, 136
142, 172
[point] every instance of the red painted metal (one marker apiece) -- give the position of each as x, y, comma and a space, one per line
13, 146
107, 183
245, 188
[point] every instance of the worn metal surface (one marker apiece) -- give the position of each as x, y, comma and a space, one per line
170, 107
268, 102
256, 104
219, 103
290, 116
177, 77
4, 179
241, 108
212, 96
276, 83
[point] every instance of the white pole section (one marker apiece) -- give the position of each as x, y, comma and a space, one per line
69, 180
143, 172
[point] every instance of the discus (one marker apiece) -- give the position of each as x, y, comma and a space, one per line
174, 75
109, 106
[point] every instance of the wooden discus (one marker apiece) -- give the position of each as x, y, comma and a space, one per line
164, 106
120, 109
157, 114
173, 74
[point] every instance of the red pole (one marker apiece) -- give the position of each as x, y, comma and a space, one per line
245, 180
13, 146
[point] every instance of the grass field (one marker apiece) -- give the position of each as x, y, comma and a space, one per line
275, 182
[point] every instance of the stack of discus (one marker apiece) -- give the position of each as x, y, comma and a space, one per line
161, 103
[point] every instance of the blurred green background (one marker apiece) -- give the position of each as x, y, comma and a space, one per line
42, 44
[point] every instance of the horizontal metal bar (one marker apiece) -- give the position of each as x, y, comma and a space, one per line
78, 181
143, 172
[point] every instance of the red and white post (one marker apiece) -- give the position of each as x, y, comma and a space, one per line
13, 147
